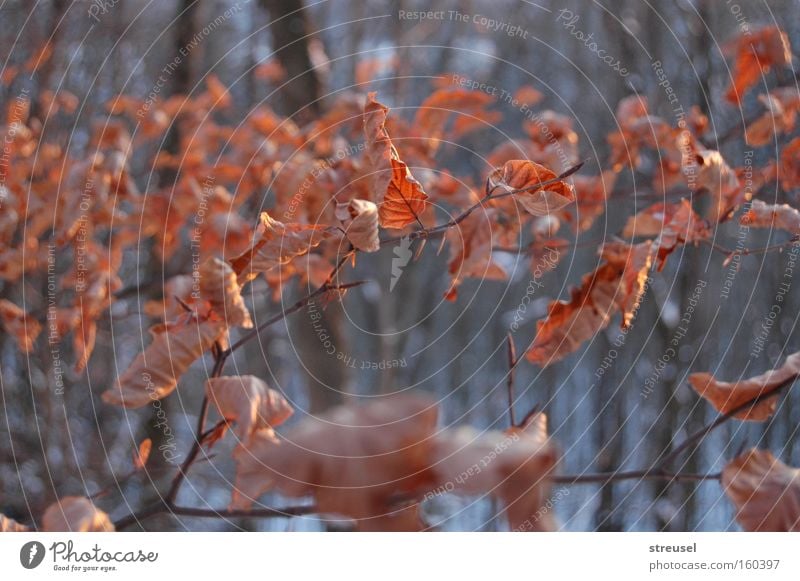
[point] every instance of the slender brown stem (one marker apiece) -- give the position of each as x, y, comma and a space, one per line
730, 252
604, 477
512, 364
286, 312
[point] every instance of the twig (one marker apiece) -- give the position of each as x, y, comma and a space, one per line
171, 508
512, 363
286, 312
731, 252
604, 477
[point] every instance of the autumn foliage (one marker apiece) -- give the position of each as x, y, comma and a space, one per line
374, 463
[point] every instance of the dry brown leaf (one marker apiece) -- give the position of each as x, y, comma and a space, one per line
9, 525
19, 325
756, 52
249, 402
155, 373
765, 491
523, 174
670, 225
778, 216
354, 460
726, 396
142, 454
471, 250
277, 244
220, 287
591, 198
360, 221
707, 169
514, 467
400, 197
75, 514
433, 113
790, 165
616, 285
776, 120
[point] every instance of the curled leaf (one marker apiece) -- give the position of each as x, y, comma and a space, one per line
400, 197
277, 244
471, 250
9, 525
154, 374
514, 467
75, 514
249, 402
360, 221
726, 397
617, 285
354, 460
142, 454
526, 175
779, 216
19, 325
707, 169
670, 224
220, 287
756, 52
765, 491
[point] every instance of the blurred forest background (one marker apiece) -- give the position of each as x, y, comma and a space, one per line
604, 416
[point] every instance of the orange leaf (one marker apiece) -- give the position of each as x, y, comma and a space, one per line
400, 197
471, 250
249, 402
360, 221
142, 454
19, 325
219, 286
526, 175
277, 244
155, 373
726, 396
707, 169
756, 52
75, 514
790, 165
765, 491
9, 525
783, 217
670, 224
616, 285
354, 460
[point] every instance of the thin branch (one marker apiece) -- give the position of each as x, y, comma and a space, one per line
604, 477
170, 508
512, 363
286, 312
731, 252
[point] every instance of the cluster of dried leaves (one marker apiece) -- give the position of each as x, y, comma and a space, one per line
336, 184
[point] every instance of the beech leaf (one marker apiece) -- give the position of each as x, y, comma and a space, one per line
249, 402
75, 514
726, 397
523, 174
360, 221
765, 491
